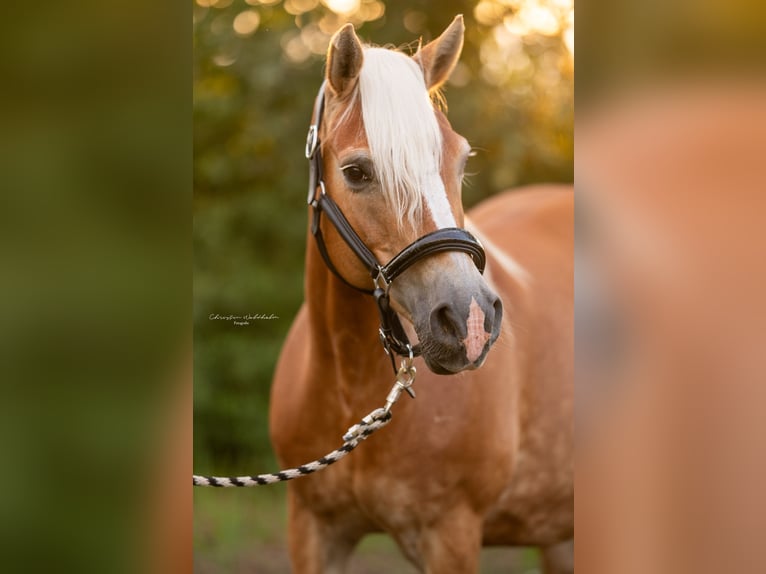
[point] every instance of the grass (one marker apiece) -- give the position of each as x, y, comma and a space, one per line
244, 531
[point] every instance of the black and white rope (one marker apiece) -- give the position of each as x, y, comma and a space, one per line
375, 420
357, 433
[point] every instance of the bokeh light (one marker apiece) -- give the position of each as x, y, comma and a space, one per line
297, 7
246, 23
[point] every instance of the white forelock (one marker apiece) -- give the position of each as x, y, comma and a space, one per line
403, 135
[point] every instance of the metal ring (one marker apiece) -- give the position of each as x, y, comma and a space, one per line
311, 141
406, 378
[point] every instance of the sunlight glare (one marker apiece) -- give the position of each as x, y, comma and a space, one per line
488, 12
569, 39
545, 17
342, 6
540, 19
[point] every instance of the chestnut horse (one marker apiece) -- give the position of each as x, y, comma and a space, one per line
482, 456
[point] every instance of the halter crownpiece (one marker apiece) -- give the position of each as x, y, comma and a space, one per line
392, 334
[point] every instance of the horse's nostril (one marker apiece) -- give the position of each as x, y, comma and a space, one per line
494, 327
444, 321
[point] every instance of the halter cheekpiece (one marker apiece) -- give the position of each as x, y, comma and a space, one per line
392, 334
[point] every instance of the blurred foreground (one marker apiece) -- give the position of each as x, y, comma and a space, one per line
671, 330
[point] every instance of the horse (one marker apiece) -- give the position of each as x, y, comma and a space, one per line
484, 454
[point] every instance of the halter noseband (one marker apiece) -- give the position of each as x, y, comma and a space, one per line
392, 334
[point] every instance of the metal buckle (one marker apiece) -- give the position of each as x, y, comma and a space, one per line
384, 342
404, 379
380, 280
311, 141
313, 199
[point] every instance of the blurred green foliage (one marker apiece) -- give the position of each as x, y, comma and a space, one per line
257, 66
95, 216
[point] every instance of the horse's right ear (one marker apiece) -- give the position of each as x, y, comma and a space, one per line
344, 60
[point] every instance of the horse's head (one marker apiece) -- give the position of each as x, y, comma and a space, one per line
394, 166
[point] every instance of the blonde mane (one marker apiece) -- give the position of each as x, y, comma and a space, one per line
402, 132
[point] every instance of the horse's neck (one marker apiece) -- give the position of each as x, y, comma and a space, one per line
343, 326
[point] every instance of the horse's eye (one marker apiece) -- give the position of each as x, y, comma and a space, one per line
355, 175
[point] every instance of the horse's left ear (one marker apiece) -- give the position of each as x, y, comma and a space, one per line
439, 57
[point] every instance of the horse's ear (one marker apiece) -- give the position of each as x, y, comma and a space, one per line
439, 57
344, 60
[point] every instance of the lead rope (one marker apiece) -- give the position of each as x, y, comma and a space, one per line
375, 420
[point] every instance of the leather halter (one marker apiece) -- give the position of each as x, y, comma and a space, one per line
392, 334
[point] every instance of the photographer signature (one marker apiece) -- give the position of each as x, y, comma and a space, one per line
241, 320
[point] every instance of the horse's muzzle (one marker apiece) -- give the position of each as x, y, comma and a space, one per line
459, 336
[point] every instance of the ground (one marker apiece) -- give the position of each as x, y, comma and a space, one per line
243, 531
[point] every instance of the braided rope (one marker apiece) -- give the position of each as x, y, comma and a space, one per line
357, 433
354, 435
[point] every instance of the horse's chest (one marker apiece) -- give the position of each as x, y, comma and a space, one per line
398, 485
392, 503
